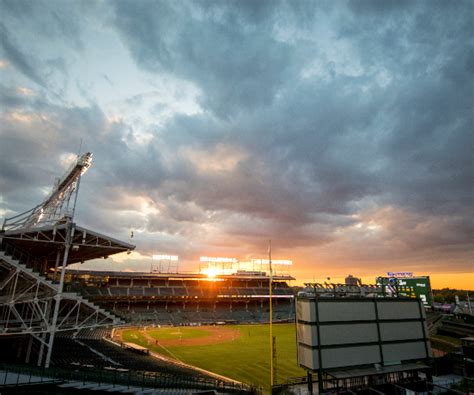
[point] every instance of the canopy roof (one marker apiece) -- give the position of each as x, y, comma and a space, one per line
43, 243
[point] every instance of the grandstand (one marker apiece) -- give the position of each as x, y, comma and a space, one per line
54, 329
42, 239
186, 299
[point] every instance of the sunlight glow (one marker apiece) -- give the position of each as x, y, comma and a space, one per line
213, 272
25, 117
24, 91
221, 158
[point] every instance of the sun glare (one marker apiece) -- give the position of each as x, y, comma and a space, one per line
212, 272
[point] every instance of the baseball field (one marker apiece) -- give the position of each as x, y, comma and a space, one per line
240, 352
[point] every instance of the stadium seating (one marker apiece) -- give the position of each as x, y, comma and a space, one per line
175, 301
88, 350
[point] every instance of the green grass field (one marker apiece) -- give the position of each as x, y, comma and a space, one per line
246, 358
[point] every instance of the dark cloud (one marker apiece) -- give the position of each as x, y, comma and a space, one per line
237, 64
51, 19
19, 59
9, 98
37, 36
320, 126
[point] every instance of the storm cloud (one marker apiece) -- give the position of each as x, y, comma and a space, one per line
341, 131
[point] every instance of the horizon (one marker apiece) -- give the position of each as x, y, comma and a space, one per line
342, 131
463, 281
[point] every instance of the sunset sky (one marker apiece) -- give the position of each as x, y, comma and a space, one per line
342, 131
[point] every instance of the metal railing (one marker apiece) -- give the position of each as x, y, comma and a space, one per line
117, 377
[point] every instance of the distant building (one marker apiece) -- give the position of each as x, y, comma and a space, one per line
351, 280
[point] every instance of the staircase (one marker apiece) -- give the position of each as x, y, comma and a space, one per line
27, 299
28, 271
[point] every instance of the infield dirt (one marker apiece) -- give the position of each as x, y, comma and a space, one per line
216, 335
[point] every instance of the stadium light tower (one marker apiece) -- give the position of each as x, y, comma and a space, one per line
56, 206
53, 206
278, 265
169, 259
218, 265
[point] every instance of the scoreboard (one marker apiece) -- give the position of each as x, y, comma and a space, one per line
413, 287
416, 287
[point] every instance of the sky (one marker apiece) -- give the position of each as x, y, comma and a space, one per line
342, 131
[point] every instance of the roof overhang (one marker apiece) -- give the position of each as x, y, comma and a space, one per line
45, 242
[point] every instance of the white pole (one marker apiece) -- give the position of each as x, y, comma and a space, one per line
58, 295
270, 291
67, 245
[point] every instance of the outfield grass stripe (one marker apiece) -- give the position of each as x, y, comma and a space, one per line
244, 358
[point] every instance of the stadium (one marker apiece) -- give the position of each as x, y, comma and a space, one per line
168, 332
186, 298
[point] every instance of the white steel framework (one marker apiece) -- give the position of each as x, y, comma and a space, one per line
57, 206
32, 244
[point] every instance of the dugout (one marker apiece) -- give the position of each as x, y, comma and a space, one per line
136, 348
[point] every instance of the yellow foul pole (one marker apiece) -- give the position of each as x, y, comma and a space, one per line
271, 311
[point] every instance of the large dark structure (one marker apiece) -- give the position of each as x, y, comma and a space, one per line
347, 340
